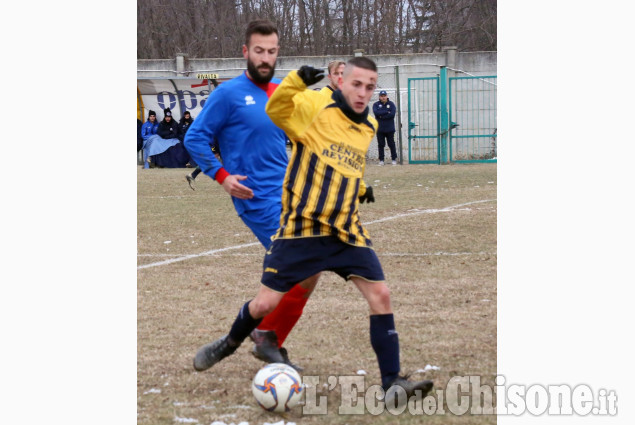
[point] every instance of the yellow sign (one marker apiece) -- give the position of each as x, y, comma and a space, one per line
207, 76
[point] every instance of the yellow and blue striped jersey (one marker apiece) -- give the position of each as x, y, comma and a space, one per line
324, 175
326, 91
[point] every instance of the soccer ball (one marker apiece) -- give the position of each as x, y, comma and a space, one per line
277, 387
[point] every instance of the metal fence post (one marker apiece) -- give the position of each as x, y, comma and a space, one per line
399, 115
443, 109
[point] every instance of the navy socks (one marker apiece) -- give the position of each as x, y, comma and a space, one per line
243, 325
385, 342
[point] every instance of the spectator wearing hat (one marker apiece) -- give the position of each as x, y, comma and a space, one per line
150, 127
168, 128
184, 124
164, 149
385, 111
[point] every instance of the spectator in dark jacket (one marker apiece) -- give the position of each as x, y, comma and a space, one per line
168, 128
184, 124
139, 136
384, 111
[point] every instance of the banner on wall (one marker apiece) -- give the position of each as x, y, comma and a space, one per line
179, 95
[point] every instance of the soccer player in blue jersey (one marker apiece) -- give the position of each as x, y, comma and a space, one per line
254, 163
320, 227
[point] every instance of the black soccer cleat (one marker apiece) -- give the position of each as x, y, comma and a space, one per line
266, 349
212, 353
410, 387
285, 356
266, 346
190, 181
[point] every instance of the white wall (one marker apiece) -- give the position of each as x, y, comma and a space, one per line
159, 72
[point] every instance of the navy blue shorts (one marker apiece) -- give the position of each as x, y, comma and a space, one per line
289, 261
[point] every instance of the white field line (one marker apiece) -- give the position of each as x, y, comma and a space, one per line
432, 254
428, 211
379, 254
381, 220
202, 254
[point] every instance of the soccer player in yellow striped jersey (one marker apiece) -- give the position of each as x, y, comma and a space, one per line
320, 228
336, 69
324, 176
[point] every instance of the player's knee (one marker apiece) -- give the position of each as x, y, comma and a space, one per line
260, 307
382, 296
379, 300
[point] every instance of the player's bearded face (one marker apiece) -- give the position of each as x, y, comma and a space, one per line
261, 72
261, 56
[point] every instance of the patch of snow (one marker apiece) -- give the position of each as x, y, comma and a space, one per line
427, 368
185, 420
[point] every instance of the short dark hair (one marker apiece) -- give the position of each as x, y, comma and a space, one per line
260, 26
362, 62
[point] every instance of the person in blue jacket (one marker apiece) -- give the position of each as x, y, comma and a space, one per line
384, 111
150, 127
254, 163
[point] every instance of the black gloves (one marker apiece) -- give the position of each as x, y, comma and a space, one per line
310, 75
368, 196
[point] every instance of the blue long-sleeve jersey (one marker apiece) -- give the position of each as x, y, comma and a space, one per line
251, 144
149, 128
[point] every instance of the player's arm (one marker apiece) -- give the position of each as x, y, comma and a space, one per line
291, 107
366, 192
197, 142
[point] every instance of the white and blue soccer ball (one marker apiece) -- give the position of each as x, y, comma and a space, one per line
277, 387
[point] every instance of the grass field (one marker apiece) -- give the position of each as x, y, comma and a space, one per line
434, 230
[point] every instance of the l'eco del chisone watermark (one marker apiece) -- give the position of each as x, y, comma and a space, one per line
462, 395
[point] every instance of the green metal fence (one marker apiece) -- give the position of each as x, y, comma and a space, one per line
423, 121
473, 109
451, 119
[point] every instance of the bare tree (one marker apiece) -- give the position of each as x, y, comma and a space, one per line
215, 28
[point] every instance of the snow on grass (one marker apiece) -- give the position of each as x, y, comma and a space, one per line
185, 420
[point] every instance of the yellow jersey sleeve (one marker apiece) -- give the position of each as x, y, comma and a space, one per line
292, 106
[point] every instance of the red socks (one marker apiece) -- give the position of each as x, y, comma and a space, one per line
287, 313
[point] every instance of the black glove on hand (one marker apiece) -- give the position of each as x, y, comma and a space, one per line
310, 75
368, 196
